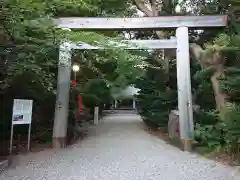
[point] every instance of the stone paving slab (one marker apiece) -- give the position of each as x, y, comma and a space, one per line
117, 149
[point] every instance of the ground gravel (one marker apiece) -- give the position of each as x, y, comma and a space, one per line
118, 148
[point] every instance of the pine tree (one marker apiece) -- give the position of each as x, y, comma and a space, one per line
156, 99
222, 132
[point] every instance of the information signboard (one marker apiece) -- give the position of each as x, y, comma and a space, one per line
22, 114
22, 111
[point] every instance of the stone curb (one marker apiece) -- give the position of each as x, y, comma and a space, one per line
3, 165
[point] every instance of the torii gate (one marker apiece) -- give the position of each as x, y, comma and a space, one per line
181, 43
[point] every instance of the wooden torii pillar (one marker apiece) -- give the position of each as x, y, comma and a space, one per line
181, 23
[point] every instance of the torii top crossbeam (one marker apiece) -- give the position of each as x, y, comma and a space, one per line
141, 23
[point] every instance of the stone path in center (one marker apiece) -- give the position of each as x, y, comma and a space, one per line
118, 148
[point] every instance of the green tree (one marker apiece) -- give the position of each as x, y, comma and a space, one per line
219, 72
29, 53
157, 95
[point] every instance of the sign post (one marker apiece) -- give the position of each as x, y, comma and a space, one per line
22, 114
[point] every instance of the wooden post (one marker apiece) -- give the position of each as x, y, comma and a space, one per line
62, 102
96, 115
115, 104
184, 88
134, 104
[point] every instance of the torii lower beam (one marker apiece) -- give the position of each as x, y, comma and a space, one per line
131, 44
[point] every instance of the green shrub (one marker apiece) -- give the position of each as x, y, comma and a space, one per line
220, 135
156, 97
208, 130
232, 130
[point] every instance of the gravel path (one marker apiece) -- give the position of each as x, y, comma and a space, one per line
117, 149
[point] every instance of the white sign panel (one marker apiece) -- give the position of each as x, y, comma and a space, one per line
22, 111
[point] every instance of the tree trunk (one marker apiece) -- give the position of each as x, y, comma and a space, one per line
220, 98
216, 61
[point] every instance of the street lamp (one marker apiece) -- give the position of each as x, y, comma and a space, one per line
75, 69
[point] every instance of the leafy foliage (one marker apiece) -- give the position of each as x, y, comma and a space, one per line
212, 131
29, 54
207, 130
97, 91
204, 93
155, 99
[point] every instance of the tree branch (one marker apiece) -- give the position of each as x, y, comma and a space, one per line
142, 7
161, 34
196, 52
154, 7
